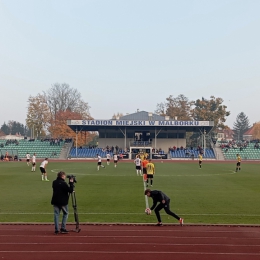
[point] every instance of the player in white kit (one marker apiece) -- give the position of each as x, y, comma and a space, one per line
28, 156
43, 169
99, 164
115, 157
33, 162
108, 158
138, 163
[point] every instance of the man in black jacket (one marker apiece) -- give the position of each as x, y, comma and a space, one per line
159, 196
60, 199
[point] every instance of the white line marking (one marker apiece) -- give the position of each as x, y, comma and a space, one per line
128, 213
129, 175
54, 170
145, 197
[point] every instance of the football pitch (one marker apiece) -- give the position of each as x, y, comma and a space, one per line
214, 194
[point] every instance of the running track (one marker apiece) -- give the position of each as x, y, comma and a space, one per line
135, 242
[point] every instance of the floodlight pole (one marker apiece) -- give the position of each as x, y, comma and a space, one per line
76, 142
125, 139
155, 139
204, 141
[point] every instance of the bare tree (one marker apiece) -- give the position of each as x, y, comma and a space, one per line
61, 97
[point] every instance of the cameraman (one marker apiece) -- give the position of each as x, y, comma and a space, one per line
60, 199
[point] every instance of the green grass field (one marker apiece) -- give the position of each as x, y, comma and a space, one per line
214, 194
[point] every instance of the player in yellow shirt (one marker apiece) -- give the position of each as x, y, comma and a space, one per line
150, 172
238, 163
200, 160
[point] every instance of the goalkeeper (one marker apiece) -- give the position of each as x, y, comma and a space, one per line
159, 196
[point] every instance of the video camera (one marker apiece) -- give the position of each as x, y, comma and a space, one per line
73, 178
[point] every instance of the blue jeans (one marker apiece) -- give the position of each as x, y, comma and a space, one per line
57, 216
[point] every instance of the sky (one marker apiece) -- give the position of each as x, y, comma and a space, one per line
124, 55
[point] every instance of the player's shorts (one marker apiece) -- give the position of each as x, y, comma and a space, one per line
200, 162
108, 160
238, 163
138, 167
115, 161
149, 176
42, 170
33, 164
99, 163
144, 171
27, 160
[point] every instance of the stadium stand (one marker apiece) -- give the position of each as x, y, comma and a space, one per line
42, 149
188, 153
89, 152
246, 153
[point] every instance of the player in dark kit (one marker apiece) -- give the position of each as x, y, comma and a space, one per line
159, 196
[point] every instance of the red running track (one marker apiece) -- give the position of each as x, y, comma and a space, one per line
96, 242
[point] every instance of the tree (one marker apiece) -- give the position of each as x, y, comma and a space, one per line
94, 141
5, 129
256, 130
61, 97
60, 129
16, 128
210, 110
118, 115
44, 108
176, 107
161, 109
38, 115
241, 125
2, 133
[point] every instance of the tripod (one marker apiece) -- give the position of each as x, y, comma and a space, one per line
76, 216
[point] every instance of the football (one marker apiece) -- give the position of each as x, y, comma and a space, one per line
147, 211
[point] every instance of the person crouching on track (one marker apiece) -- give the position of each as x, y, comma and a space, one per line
60, 199
159, 196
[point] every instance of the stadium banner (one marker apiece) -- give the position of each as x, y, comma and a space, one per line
137, 123
159, 156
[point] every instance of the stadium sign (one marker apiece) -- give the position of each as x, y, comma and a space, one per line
137, 123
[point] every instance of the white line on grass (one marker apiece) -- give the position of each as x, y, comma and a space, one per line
127, 213
145, 197
161, 175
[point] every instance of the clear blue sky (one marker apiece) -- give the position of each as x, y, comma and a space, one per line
126, 55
